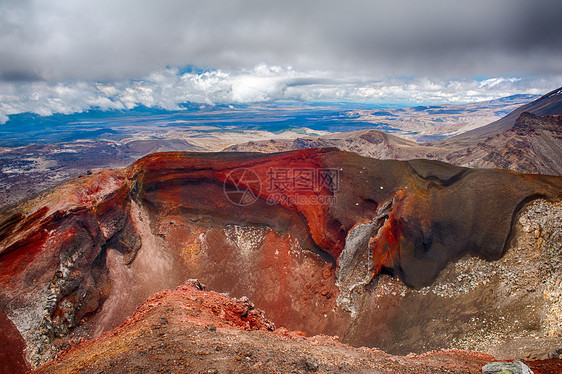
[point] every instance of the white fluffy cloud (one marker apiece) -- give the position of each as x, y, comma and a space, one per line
3, 117
168, 88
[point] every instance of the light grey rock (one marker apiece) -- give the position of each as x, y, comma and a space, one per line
355, 266
515, 367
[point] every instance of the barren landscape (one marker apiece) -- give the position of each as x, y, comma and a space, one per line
363, 263
250, 186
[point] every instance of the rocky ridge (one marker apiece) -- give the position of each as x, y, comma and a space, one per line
527, 140
533, 145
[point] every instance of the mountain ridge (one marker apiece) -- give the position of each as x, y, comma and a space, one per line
501, 144
548, 104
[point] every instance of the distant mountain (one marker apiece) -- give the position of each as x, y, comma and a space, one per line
533, 144
549, 104
527, 140
434, 122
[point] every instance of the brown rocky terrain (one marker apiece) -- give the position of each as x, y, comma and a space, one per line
528, 140
191, 330
403, 256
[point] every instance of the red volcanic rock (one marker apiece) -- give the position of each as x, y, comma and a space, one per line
203, 309
548, 366
299, 182
12, 347
300, 233
190, 330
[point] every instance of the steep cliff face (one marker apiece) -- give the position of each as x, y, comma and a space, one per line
52, 258
303, 234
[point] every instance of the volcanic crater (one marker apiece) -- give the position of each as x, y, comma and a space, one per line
324, 241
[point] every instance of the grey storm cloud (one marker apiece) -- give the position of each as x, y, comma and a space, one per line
107, 40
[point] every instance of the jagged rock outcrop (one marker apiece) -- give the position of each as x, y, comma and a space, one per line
510, 308
302, 234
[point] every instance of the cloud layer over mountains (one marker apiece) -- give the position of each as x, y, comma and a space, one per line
263, 84
308, 49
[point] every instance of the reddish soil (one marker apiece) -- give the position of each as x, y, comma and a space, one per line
12, 346
191, 330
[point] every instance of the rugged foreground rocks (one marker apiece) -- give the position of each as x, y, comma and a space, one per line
191, 330
387, 254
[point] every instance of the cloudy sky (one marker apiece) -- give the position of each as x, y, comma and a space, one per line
66, 56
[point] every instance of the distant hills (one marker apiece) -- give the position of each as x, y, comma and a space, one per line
549, 104
528, 140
